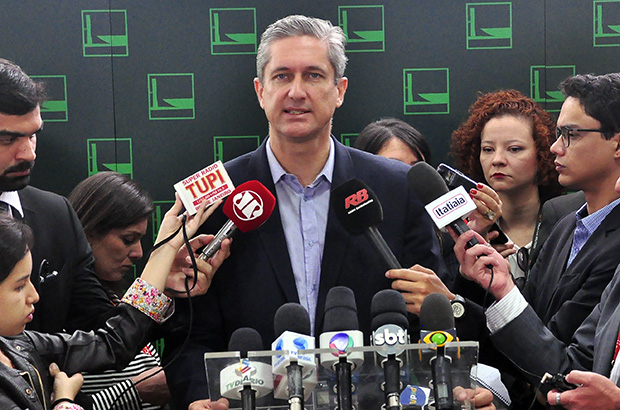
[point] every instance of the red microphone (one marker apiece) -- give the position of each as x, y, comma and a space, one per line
247, 208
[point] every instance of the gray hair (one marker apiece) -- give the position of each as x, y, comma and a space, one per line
297, 25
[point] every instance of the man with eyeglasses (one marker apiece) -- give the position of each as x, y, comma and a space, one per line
576, 263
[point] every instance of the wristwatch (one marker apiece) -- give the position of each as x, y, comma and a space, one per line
458, 306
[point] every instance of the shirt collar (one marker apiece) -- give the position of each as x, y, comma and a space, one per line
12, 198
591, 222
277, 172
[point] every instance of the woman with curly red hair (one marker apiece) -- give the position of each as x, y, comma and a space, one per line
505, 143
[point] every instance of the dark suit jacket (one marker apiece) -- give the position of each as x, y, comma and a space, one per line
74, 298
538, 351
564, 296
561, 297
257, 279
552, 211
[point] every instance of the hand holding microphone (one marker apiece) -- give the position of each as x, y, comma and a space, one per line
247, 208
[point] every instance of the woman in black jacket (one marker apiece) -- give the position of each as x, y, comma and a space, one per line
25, 356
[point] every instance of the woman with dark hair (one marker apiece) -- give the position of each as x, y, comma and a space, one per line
505, 143
29, 377
114, 213
393, 138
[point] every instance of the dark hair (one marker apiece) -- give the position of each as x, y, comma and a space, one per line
466, 139
15, 242
376, 134
19, 94
109, 200
599, 96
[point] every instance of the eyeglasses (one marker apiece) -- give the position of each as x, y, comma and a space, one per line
567, 133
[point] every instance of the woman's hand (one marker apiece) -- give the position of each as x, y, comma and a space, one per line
488, 209
172, 221
182, 268
65, 387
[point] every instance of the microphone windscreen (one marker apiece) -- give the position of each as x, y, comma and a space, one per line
426, 182
388, 307
356, 206
249, 205
340, 310
292, 317
436, 313
245, 339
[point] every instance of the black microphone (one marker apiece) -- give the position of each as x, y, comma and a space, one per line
390, 324
437, 323
359, 211
430, 186
246, 380
341, 331
292, 322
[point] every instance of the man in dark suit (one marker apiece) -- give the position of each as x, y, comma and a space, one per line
588, 157
71, 297
302, 250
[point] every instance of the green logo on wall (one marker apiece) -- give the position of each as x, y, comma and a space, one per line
348, 139
171, 96
489, 25
544, 84
606, 23
104, 33
110, 154
161, 207
55, 109
363, 26
233, 31
229, 147
426, 91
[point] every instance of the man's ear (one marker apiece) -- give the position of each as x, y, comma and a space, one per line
258, 87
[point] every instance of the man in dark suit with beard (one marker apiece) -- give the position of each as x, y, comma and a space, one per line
71, 296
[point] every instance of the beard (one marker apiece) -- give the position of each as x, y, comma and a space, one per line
15, 183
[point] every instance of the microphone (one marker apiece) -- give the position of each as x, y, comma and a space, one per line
247, 208
246, 380
341, 332
359, 211
437, 324
446, 208
293, 371
390, 324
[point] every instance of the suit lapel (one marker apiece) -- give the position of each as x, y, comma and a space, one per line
271, 233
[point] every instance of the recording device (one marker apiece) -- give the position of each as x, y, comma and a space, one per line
446, 208
437, 326
455, 178
558, 382
247, 208
246, 380
341, 332
390, 324
294, 372
359, 211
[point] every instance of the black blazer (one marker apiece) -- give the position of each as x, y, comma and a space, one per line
564, 296
257, 278
539, 351
74, 298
